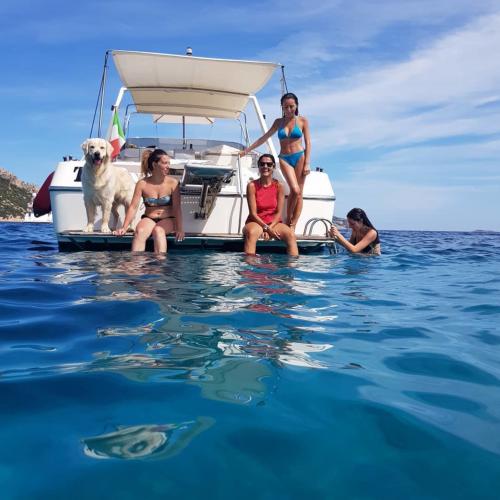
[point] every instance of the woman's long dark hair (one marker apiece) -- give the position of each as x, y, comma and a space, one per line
148, 158
359, 215
289, 95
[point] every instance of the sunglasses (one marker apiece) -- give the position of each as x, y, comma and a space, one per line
266, 164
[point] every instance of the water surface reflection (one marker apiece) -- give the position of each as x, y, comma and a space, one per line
141, 442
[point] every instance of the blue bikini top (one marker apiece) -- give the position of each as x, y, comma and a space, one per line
158, 202
295, 133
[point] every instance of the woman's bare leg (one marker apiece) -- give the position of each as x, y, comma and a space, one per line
287, 235
294, 194
160, 231
252, 232
141, 234
301, 179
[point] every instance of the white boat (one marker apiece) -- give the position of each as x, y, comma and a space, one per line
30, 216
187, 89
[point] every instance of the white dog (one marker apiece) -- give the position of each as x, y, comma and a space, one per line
103, 184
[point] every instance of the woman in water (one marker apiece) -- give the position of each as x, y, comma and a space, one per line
162, 200
364, 237
266, 198
294, 158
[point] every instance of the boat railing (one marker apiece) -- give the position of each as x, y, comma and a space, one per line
309, 227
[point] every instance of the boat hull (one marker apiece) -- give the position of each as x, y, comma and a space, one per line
71, 241
221, 230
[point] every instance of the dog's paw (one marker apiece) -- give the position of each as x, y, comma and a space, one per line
89, 228
105, 229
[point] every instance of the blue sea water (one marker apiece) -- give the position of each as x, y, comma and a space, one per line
211, 375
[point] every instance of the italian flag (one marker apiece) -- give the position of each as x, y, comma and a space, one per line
117, 137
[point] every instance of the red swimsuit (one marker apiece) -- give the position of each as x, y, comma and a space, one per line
266, 199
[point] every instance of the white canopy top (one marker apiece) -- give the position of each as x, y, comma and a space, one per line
190, 86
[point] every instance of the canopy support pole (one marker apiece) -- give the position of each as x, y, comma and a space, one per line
263, 125
184, 143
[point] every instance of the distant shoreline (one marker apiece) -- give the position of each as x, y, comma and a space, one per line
496, 231
25, 221
6, 221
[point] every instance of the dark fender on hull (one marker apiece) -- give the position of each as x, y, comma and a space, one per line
41, 203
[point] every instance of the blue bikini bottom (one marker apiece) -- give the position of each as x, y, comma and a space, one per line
293, 158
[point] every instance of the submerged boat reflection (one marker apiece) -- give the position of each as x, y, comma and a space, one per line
224, 323
145, 441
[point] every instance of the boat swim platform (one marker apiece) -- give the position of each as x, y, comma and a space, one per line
71, 241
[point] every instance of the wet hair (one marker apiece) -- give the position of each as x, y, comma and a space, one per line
267, 155
289, 95
148, 158
359, 215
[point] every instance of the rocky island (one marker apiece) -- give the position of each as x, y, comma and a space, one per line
15, 195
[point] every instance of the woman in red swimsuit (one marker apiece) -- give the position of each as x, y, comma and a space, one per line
266, 198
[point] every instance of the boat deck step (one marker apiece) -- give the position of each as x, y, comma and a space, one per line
81, 240
214, 236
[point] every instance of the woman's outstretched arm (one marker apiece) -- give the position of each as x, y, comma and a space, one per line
367, 239
261, 139
132, 209
307, 145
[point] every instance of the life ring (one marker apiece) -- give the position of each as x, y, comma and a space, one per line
41, 202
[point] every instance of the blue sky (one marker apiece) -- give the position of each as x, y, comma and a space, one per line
403, 97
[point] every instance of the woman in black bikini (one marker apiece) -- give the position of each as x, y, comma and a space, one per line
364, 237
162, 199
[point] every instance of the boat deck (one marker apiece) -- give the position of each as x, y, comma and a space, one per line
81, 240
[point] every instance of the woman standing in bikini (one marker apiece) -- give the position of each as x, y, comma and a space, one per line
294, 158
162, 199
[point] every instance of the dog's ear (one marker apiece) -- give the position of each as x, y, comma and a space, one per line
85, 146
109, 149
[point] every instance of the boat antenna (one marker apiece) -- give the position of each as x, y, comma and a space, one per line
100, 97
126, 121
244, 128
284, 87
184, 142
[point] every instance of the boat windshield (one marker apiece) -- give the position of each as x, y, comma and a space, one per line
174, 147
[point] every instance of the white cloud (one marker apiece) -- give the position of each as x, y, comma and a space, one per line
303, 54
486, 151
391, 204
434, 94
